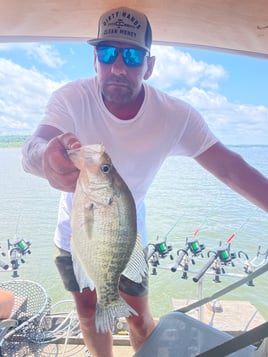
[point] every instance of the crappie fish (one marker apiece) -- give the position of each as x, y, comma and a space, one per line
104, 241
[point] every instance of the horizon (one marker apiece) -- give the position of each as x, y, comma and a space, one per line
19, 142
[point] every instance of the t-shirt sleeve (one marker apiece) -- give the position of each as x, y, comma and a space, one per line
58, 111
195, 138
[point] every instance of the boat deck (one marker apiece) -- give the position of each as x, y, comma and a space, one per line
121, 347
21, 347
118, 350
233, 317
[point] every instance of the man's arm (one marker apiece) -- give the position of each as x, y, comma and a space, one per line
234, 171
44, 155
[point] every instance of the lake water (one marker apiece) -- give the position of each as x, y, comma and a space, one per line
182, 199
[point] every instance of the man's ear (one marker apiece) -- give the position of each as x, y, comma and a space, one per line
150, 67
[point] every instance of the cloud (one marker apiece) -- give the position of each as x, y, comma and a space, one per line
47, 55
25, 92
233, 123
198, 83
173, 65
23, 97
43, 53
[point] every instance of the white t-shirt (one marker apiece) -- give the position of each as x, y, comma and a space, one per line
164, 126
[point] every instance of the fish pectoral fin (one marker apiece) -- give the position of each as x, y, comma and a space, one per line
137, 266
88, 219
117, 191
83, 221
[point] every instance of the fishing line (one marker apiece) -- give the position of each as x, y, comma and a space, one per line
198, 229
18, 221
231, 237
205, 220
174, 225
162, 248
247, 220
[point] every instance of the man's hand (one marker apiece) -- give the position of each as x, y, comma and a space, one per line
58, 168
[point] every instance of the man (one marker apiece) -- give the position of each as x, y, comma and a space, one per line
139, 127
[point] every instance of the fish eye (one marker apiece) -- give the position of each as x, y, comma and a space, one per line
106, 168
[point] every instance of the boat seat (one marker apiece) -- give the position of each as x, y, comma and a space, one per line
178, 334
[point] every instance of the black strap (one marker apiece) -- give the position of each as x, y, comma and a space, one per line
235, 344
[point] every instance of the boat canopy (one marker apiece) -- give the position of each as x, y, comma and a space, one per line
236, 26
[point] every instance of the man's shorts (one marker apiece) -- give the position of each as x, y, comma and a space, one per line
63, 261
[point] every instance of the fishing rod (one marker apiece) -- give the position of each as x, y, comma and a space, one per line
193, 246
156, 251
221, 256
16, 251
258, 255
161, 247
250, 265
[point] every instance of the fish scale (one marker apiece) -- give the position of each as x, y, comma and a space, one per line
104, 240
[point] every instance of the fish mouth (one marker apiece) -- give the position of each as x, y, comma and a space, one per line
88, 153
87, 150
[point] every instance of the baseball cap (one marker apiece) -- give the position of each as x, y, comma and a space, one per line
124, 25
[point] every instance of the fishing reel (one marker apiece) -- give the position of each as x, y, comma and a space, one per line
22, 247
162, 249
216, 260
191, 246
195, 247
156, 251
221, 258
225, 256
16, 251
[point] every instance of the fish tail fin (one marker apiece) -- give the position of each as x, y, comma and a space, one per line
105, 316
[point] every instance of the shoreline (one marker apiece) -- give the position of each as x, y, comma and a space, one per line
12, 141
16, 141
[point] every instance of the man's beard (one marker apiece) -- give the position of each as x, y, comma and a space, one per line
117, 89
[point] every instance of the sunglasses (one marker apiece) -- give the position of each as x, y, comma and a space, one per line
132, 57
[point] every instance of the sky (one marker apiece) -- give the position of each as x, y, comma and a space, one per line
230, 91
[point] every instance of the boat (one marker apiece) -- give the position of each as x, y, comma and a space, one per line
36, 327
237, 27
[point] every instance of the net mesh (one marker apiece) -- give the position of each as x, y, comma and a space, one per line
31, 303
